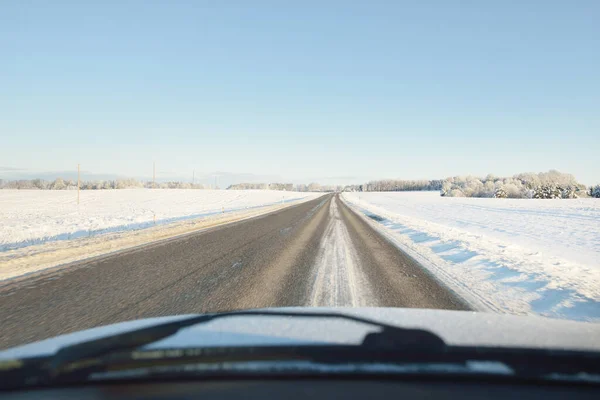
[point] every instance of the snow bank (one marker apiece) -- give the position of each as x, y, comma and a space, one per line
33, 216
516, 256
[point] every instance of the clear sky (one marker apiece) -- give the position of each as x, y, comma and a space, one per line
303, 89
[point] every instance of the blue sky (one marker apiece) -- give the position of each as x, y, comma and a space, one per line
303, 90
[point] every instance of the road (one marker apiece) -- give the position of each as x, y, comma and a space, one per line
318, 253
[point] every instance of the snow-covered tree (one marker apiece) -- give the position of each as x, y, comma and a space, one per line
314, 187
396, 185
446, 188
546, 185
23, 184
539, 193
71, 184
58, 184
500, 193
39, 184
529, 179
514, 190
108, 185
548, 191
569, 192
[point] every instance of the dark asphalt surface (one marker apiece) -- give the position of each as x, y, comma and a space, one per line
268, 261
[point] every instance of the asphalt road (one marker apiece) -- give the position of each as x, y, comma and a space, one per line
318, 253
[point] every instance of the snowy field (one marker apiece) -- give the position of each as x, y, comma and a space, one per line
520, 256
36, 216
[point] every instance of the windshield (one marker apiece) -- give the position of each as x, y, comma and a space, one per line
173, 157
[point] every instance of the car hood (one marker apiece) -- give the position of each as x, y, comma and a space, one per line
462, 328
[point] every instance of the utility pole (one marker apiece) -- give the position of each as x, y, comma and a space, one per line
193, 177
78, 183
154, 175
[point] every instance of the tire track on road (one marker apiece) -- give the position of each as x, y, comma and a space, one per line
339, 280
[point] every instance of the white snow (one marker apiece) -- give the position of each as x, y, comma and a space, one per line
521, 256
338, 280
36, 216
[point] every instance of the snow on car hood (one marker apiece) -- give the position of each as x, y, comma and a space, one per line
455, 327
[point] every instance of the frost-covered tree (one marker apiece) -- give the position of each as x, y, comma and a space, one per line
71, 184
546, 185
314, 187
528, 193
446, 188
500, 193
23, 184
547, 191
515, 190
529, 179
595, 192
396, 185
129, 184
570, 192
58, 184
262, 186
456, 193
539, 193
490, 178
39, 184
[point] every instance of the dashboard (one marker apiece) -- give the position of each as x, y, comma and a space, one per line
311, 388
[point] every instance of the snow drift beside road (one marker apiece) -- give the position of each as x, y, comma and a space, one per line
36, 216
516, 255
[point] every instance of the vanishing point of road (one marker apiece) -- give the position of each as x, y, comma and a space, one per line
318, 253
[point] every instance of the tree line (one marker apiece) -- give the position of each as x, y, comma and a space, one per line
545, 185
70, 184
311, 187
396, 185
